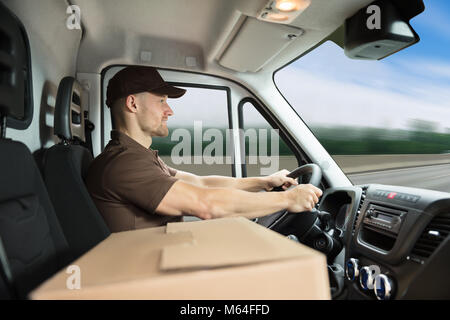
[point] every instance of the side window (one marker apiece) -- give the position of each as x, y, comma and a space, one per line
199, 140
265, 151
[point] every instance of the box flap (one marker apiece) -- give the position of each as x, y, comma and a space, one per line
227, 242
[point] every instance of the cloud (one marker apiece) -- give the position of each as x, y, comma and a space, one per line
321, 100
431, 69
422, 79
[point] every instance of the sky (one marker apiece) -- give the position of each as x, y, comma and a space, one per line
327, 88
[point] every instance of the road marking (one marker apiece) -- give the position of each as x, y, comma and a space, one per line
396, 170
441, 176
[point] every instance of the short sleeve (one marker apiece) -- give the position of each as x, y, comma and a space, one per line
139, 181
172, 171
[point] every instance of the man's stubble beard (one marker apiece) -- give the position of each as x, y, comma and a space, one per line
163, 131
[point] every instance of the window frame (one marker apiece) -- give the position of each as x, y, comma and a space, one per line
275, 124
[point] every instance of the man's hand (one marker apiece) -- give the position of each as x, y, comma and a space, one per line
279, 179
303, 198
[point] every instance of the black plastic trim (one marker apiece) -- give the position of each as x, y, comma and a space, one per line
274, 123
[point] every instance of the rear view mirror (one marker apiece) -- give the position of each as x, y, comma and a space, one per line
380, 29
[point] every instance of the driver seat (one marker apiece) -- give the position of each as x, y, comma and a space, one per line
65, 167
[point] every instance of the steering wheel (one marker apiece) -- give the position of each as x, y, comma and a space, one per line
281, 221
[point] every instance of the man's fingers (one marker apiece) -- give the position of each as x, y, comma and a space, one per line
289, 182
316, 190
286, 184
316, 199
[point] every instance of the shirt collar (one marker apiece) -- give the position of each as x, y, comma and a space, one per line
129, 142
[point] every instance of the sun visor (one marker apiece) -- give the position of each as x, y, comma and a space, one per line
256, 43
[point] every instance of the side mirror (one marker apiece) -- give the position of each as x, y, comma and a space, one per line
379, 30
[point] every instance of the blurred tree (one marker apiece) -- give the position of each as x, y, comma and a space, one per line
422, 125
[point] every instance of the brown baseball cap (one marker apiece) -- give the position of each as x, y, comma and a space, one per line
136, 79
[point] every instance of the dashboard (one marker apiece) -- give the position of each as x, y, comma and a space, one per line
395, 239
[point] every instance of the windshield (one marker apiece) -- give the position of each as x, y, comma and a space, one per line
382, 121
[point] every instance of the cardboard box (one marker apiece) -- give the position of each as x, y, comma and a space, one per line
230, 258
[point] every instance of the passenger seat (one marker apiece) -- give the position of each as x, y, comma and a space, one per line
33, 246
65, 167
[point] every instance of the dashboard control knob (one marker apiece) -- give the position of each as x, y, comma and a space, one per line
384, 287
352, 269
366, 278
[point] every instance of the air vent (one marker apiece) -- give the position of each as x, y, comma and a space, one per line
361, 202
433, 235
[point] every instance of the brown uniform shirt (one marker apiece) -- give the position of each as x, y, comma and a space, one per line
127, 182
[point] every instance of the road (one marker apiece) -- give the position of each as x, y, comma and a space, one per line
436, 177
419, 175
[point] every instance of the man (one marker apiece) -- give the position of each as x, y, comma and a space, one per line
133, 188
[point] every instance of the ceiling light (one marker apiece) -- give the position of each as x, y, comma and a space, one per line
286, 6
292, 5
277, 17
283, 11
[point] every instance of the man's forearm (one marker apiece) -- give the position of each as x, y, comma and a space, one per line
248, 184
252, 184
232, 202
206, 203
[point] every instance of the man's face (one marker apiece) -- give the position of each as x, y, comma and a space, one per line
153, 113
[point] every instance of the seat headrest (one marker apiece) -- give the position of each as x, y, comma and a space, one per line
16, 93
69, 111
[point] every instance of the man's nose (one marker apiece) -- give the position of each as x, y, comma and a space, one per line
169, 110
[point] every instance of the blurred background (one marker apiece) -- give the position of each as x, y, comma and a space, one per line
382, 121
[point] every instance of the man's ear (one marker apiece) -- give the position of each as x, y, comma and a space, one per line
130, 103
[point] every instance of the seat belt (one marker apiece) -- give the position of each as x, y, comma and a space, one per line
5, 272
3, 120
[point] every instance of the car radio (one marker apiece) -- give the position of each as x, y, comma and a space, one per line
380, 218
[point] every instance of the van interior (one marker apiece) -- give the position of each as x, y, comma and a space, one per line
57, 56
